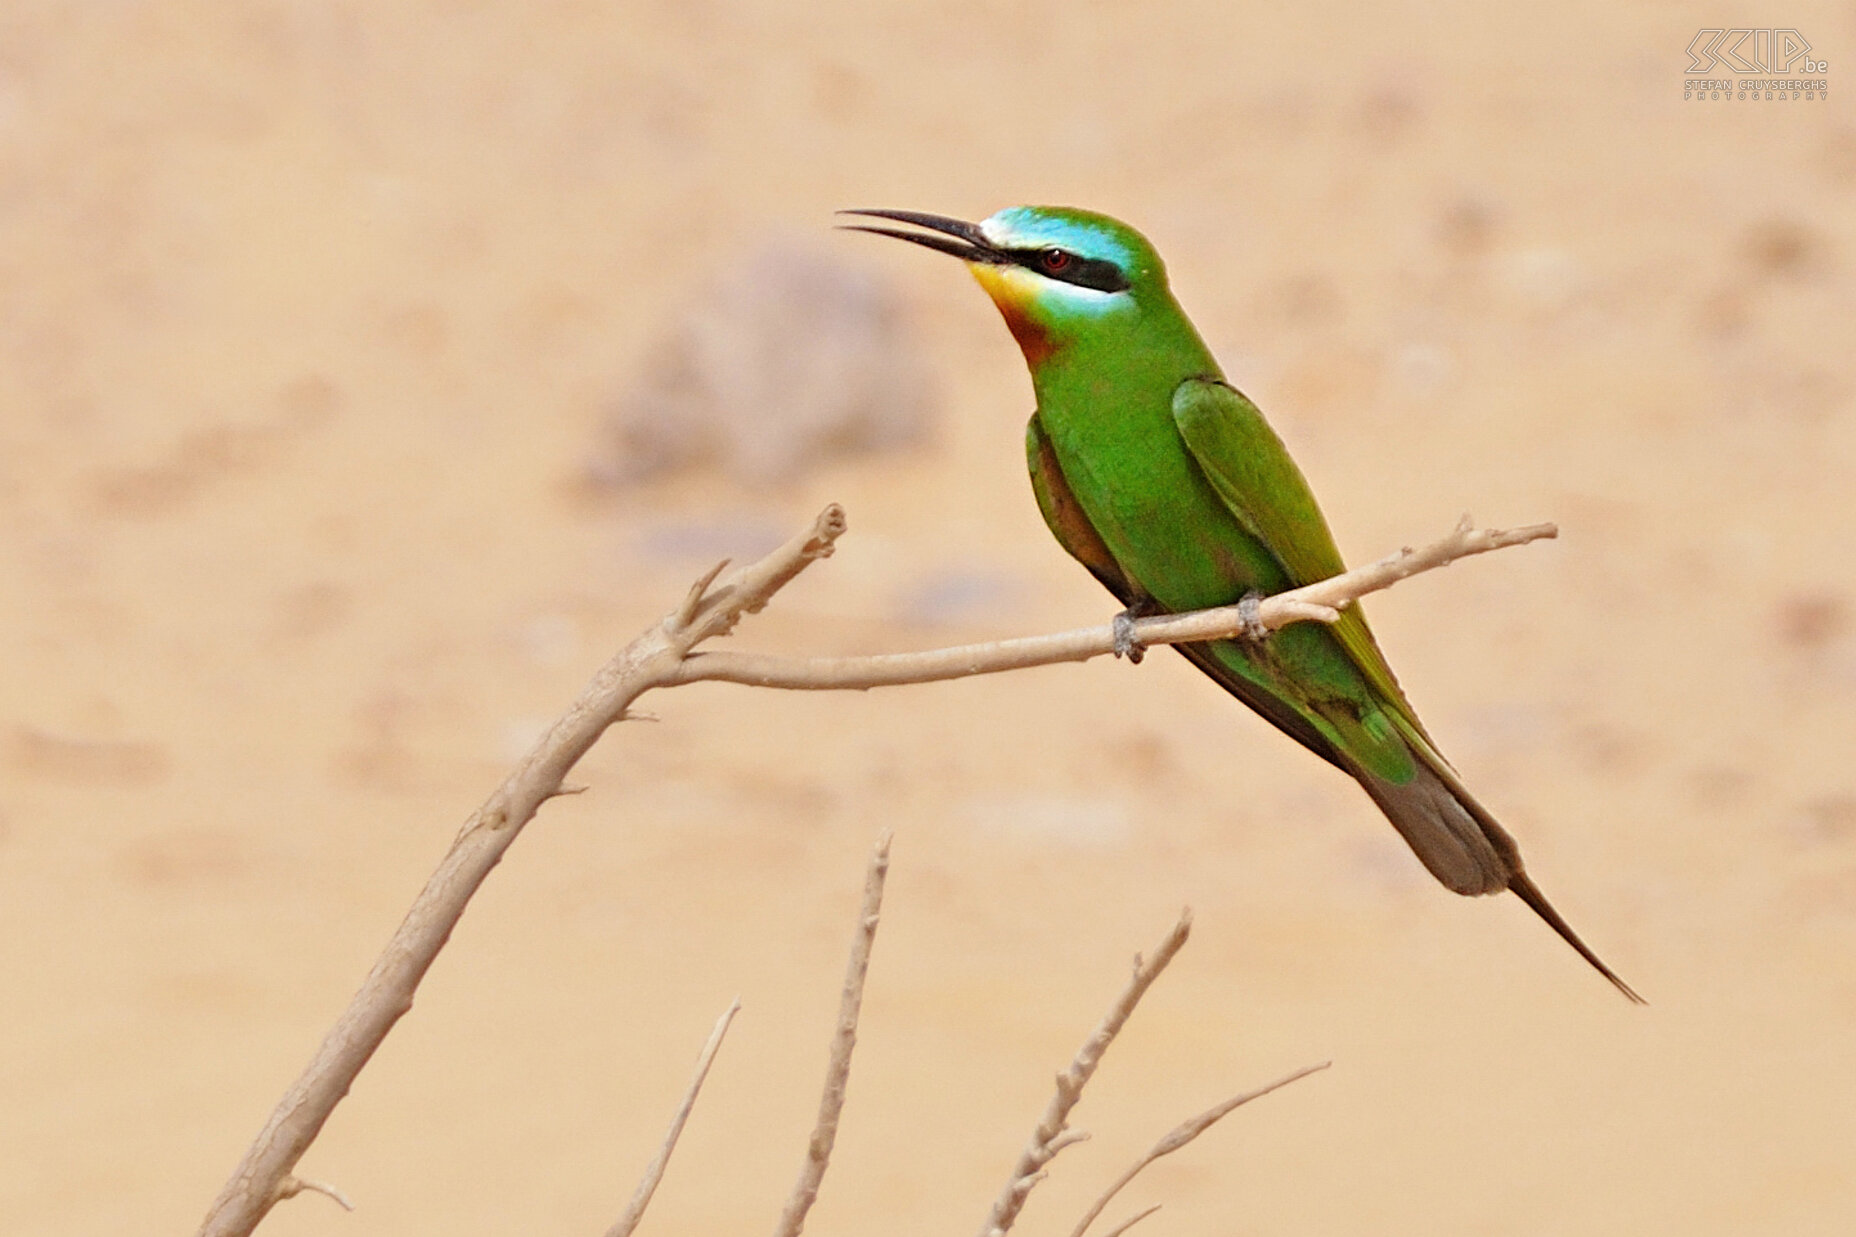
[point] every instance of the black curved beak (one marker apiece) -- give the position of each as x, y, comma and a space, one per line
951, 236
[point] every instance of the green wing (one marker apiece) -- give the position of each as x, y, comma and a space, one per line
1252, 472
1067, 522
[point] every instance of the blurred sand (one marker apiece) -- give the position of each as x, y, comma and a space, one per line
308, 315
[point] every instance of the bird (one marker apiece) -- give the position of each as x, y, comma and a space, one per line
1165, 481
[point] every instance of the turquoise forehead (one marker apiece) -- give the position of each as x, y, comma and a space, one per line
1092, 235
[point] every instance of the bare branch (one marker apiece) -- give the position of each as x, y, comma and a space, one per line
1050, 1135
1319, 602
664, 656
838, 1070
1176, 1138
259, 1182
641, 1197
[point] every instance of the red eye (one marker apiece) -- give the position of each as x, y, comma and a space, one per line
1055, 260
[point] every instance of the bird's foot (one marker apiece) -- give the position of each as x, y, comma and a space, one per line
1125, 643
1250, 613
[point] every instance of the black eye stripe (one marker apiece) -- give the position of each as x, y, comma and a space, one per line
1097, 273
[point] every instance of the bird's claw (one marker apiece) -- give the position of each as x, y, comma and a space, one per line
1125, 643
1250, 614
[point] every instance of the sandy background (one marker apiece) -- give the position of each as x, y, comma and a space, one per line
309, 318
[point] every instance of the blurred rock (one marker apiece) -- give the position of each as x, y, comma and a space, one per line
789, 358
84, 761
1830, 819
1785, 248
1809, 621
1467, 226
200, 855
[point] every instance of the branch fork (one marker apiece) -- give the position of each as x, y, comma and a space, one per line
664, 656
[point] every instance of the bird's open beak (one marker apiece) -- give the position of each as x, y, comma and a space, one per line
953, 236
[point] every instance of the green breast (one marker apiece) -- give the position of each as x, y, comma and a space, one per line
1106, 401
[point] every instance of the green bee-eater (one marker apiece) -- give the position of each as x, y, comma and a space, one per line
1170, 487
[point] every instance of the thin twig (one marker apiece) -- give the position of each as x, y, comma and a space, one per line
661, 657
838, 1071
641, 1197
711, 609
1051, 1135
1131, 1221
293, 1186
1318, 602
1178, 1137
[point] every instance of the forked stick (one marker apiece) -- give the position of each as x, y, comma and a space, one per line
712, 607
664, 656
1178, 1137
1053, 1133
